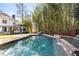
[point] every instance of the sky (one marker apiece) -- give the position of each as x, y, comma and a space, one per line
10, 8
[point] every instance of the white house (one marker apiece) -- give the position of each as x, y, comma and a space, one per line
8, 24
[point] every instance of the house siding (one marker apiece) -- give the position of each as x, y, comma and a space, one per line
0, 29
9, 23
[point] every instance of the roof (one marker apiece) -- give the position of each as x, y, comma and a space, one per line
2, 13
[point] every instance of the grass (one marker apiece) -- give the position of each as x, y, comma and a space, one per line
7, 36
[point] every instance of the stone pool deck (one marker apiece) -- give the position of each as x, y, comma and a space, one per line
18, 37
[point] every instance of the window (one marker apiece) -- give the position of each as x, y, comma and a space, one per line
4, 29
4, 21
13, 23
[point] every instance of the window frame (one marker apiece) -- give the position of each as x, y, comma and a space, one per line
4, 21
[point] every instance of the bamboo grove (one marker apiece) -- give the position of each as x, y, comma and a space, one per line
55, 18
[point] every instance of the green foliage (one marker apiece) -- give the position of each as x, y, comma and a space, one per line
54, 18
28, 25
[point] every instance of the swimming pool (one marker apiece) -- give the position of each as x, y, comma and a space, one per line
33, 46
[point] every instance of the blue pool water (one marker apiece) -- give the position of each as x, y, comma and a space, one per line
33, 46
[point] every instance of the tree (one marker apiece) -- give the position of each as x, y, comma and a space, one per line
68, 16
54, 18
45, 15
21, 11
28, 25
76, 11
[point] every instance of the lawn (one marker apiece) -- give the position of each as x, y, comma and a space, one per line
7, 36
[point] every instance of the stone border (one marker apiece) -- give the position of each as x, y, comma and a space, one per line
69, 37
